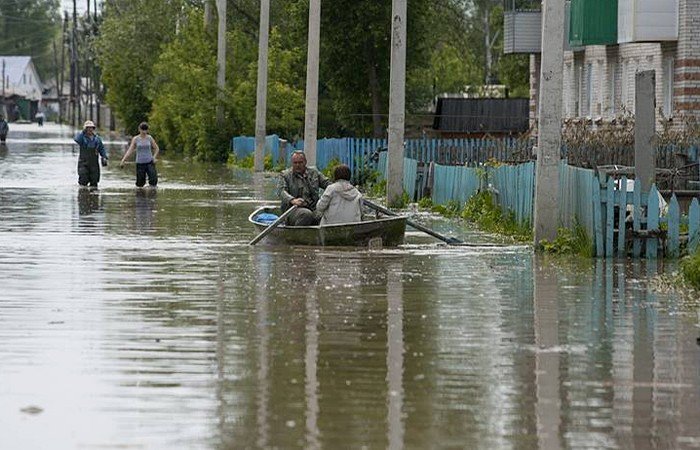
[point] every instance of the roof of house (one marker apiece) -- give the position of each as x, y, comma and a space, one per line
481, 115
15, 67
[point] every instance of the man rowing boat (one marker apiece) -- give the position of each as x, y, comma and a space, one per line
300, 186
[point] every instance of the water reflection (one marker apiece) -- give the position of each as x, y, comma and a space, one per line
145, 206
88, 201
160, 328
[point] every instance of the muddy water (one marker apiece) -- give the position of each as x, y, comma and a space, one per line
141, 319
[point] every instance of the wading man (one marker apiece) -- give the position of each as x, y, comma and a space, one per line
300, 186
90, 146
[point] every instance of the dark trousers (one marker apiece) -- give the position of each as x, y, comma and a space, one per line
88, 172
143, 169
3, 137
302, 217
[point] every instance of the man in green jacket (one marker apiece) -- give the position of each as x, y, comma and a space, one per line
300, 186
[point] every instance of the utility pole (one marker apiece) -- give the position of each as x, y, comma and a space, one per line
549, 134
61, 74
645, 128
312, 61
397, 102
221, 62
56, 78
261, 106
76, 62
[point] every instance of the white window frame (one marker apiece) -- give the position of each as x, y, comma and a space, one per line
589, 89
668, 69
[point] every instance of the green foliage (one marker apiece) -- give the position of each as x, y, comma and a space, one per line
285, 97
330, 169
376, 189
425, 203
183, 93
452, 208
481, 210
569, 242
29, 28
129, 44
690, 268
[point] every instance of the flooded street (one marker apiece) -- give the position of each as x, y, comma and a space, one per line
141, 319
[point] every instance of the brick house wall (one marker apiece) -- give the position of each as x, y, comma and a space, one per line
599, 80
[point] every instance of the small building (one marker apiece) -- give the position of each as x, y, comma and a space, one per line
458, 116
22, 88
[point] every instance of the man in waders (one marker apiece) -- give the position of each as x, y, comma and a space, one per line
90, 146
4, 128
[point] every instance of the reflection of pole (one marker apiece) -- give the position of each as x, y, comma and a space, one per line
312, 61
397, 102
548, 406
394, 359
311, 385
263, 369
261, 105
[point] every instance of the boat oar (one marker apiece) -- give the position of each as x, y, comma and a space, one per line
272, 226
446, 239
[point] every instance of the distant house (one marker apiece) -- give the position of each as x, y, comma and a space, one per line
22, 87
606, 44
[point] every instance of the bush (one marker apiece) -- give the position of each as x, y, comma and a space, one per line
569, 242
690, 267
482, 211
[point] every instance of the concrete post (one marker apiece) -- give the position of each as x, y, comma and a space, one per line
312, 62
644, 128
397, 102
261, 105
549, 130
221, 61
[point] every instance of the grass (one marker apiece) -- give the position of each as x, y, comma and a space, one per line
569, 242
690, 268
481, 210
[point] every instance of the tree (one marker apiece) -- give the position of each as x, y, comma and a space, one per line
355, 54
28, 28
130, 41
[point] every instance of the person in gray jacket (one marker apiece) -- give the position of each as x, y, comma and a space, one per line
4, 128
341, 202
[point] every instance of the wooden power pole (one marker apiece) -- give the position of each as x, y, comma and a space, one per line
312, 62
261, 105
397, 102
221, 62
549, 132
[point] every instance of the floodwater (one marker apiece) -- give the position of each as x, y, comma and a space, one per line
136, 319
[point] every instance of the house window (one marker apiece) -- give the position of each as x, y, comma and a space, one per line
24, 79
668, 87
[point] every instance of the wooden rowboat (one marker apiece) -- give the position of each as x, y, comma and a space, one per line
386, 232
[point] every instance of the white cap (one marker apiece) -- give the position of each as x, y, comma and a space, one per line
89, 123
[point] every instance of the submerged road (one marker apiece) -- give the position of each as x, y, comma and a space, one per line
141, 319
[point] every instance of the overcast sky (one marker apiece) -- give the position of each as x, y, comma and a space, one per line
80, 4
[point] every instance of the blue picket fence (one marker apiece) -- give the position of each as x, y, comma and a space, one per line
620, 221
410, 173
357, 152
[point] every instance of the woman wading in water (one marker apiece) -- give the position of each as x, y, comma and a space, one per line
146, 156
